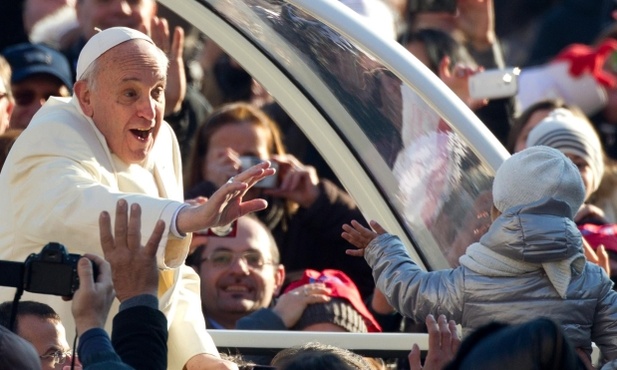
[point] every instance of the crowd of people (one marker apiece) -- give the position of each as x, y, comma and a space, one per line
195, 202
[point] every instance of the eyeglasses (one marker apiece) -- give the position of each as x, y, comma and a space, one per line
223, 259
59, 357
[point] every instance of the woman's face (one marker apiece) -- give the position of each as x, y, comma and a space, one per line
232, 141
534, 119
586, 172
243, 138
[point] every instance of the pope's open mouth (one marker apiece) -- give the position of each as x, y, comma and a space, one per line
141, 134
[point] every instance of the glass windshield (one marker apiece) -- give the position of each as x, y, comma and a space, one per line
430, 175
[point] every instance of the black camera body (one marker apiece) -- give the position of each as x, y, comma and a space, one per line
52, 271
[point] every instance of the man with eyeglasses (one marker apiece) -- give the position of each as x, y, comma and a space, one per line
241, 274
38, 72
40, 325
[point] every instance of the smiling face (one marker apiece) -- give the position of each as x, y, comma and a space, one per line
126, 98
231, 292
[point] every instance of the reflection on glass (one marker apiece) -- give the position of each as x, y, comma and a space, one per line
442, 188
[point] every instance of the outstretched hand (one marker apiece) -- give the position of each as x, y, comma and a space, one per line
226, 204
443, 343
360, 236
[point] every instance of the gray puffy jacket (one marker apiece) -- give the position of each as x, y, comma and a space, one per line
589, 313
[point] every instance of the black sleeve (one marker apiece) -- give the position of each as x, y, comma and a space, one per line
139, 336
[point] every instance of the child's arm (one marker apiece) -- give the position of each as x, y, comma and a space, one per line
360, 236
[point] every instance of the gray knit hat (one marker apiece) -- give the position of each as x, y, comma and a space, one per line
570, 134
536, 173
336, 311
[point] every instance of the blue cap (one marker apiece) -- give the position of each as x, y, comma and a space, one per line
27, 59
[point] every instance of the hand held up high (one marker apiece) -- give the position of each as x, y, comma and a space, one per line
133, 267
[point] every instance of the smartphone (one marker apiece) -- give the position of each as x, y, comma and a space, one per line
494, 83
433, 6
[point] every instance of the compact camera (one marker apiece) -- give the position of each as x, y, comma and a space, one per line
494, 83
269, 182
52, 271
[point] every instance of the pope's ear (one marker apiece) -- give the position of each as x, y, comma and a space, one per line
82, 92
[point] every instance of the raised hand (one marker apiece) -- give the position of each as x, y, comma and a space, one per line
360, 236
176, 76
134, 270
443, 343
226, 204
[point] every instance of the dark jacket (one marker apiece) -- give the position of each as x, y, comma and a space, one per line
139, 336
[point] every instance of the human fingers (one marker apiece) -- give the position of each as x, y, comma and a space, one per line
414, 358
221, 167
434, 337
105, 234
590, 254
121, 222
290, 306
160, 33
290, 180
355, 252
603, 259
196, 201
316, 288
445, 334
377, 227
366, 233
255, 173
251, 206
456, 338
133, 239
155, 239
177, 43
444, 67
354, 236
85, 273
103, 267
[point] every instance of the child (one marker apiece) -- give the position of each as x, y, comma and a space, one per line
530, 263
576, 138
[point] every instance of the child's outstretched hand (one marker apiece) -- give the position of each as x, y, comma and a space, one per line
360, 236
